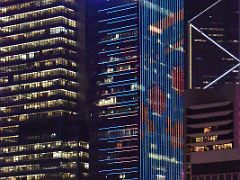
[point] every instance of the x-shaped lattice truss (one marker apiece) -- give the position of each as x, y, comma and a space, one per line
190, 23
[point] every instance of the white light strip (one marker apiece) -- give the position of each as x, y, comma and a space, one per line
220, 77
227, 72
214, 42
202, 12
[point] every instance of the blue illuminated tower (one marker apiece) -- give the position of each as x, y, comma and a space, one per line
136, 58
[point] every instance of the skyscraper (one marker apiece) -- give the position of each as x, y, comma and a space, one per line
212, 133
138, 117
212, 122
42, 90
212, 42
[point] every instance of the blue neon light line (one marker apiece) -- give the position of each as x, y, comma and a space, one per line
119, 17
123, 20
115, 11
116, 40
114, 29
107, 170
115, 7
121, 42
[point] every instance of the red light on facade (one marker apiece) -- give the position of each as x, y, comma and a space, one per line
157, 100
178, 79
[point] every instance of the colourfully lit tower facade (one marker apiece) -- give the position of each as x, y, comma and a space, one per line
138, 117
41, 90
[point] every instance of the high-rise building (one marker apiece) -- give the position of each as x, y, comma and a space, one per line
137, 54
42, 84
212, 42
211, 115
212, 133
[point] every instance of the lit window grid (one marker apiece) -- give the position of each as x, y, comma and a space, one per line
36, 95
37, 33
33, 3
78, 151
42, 114
37, 64
36, 106
37, 13
36, 54
38, 23
38, 84
40, 43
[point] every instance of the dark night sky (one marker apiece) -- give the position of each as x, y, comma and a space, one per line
195, 5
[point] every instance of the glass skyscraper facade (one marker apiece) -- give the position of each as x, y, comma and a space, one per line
138, 117
41, 92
